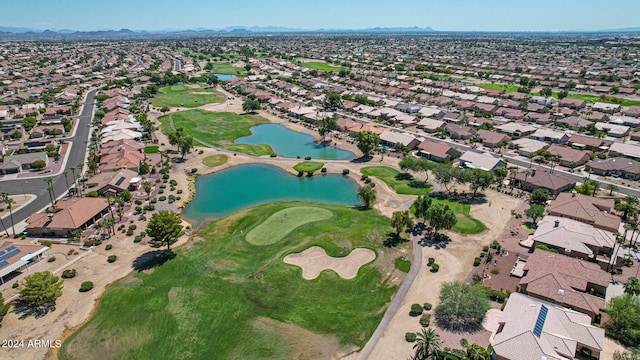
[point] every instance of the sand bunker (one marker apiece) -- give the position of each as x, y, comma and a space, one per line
314, 260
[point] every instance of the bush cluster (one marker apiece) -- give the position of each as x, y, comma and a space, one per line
112, 258
86, 286
68, 274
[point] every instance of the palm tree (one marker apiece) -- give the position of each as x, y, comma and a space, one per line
147, 188
110, 225
427, 345
632, 286
53, 205
73, 173
527, 173
79, 185
118, 200
4, 227
66, 178
9, 201
619, 242
611, 188
49, 181
596, 187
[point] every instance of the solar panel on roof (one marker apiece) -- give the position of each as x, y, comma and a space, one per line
542, 316
120, 181
3, 263
10, 252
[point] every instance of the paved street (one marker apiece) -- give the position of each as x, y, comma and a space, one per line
38, 186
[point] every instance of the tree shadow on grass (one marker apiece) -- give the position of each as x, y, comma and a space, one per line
393, 240
26, 309
151, 259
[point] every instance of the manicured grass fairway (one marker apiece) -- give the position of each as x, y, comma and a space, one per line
212, 300
320, 66
388, 175
183, 96
308, 166
219, 129
280, 224
498, 87
403, 264
466, 224
214, 160
226, 68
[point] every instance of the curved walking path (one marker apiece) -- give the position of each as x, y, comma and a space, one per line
396, 302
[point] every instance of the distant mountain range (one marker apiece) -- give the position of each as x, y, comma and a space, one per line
19, 33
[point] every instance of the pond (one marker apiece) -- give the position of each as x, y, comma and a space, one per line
224, 77
225, 192
288, 143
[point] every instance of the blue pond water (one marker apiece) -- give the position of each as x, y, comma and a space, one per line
224, 77
225, 192
287, 143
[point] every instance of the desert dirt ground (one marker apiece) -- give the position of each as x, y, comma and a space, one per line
315, 260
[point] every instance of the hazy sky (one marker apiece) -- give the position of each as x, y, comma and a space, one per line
463, 15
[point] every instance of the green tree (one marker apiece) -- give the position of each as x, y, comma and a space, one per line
461, 306
611, 188
332, 100
250, 105
534, 212
635, 355
401, 220
29, 123
445, 175
143, 168
41, 289
368, 195
407, 163
326, 125
4, 308
478, 179
367, 141
38, 164
125, 195
501, 173
427, 345
624, 312
185, 144
632, 286
147, 188
164, 227
441, 217
421, 206
539, 196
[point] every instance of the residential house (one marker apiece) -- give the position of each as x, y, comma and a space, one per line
456, 131
542, 119
568, 156
542, 179
626, 150
576, 239
606, 107
116, 146
566, 281
344, 124
17, 257
515, 129
573, 122
576, 104
390, 138
613, 130
534, 329
125, 159
548, 135
438, 151
617, 166
587, 209
588, 143
74, 213
491, 138
112, 183
484, 161
430, 125
15, 163
528, 147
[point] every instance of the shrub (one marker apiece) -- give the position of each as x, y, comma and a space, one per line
323, 170
138, 208
92, 194
179, 191
485, 248
410, 337
112, 258
153, 201
15, 285
162, 198
345, 171
364, 177
86, 286
108, 247
477, 261
416, 309
161, 192
435, 267
51, 259
425, 320
138, 202
194, 170
173, 183
300, 174
68, 274
133, 226
129, 232
92, 243
163, 186
495, 270
165, 177
427, 306
137, 239
273, 155
307, 157
431, 261
46, 243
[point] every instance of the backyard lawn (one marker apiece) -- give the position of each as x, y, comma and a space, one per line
392, 177
184, 96
321, 66
225, 68
308, 166
498, 87
219, 129
152, 149
223, 298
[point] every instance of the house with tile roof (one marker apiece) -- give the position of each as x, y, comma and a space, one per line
541, 178
15, 257
567, 281
483, 161
587, 209
71, 214
438, 151
530, 328
617, 166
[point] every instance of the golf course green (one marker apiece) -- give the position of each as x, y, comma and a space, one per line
223, 297
278, 225
185, 96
